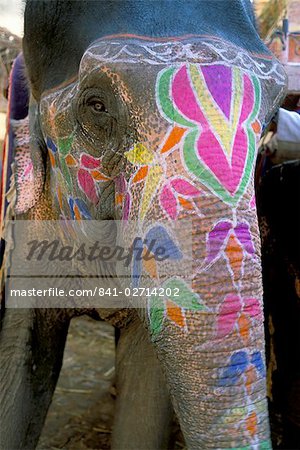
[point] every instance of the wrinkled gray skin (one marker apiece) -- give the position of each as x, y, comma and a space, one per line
32, 341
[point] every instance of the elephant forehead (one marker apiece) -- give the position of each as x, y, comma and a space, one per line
161, 52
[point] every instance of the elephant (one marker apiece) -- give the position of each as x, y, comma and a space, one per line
150, 113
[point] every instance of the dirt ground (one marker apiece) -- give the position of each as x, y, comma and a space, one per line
81, 413
80, 416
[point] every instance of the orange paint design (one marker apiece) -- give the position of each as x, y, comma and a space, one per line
251, 424
52, 159
70, 160
173, 139
119, 199
250, 379
141, 174
234, 253
77, 213
256, 127
150, 265
175, 314
244, 327
98, 176
186, 204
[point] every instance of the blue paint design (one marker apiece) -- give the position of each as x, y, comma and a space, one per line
237, 366
83, 208
71, 204
51, 145
258, 362
159, 237
156, 238
137, 262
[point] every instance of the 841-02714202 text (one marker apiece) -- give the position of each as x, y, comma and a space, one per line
96, 292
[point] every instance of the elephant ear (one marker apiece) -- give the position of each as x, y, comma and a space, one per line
30, 160
23, 167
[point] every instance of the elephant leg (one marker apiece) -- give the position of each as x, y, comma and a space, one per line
31, 348
143, 409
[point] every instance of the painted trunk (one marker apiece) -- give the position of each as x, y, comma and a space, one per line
197, 167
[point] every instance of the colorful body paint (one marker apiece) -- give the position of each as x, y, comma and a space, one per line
193, 131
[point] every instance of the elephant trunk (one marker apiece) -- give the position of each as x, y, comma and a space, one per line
210, 341
207, 324
189, 186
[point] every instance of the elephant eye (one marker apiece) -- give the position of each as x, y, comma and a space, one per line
97, 105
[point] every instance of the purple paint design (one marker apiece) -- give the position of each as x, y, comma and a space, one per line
127, 205
216, 238
120, 184
218, 81
242, 232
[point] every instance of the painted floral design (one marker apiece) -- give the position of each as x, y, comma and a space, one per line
237, 366
178, 193
248, 418
181, 296
175, 193
88, 175
173, 307
219, 106
155, 239
234, 243
122, 196
237, 313
79, 209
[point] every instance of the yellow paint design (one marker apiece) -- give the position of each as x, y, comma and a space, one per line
224, 129
140, 155
151, 186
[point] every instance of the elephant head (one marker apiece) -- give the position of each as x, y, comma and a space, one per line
164, 132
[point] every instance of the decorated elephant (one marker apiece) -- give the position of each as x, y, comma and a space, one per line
150, 113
